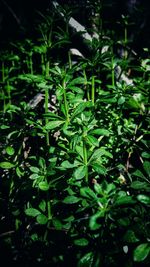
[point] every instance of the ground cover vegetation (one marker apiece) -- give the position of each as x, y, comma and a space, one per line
74, 149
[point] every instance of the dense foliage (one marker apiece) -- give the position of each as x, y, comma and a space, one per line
75, 159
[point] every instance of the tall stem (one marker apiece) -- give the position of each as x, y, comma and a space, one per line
69, 58
65, 100
42, 64
112, 70
86, 84
93, 90
85, 160
46, 100
3, 80
46, 111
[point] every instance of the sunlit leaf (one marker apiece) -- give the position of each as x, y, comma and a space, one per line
80, 172
86, 260
141, 252
42, 219
100, 131
53, 124
32, 212
144, 199
10, 150
71, 200
6, 165
100, 169
44, 186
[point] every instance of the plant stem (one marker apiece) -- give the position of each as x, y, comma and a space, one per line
112, 70
42, 64
85, 160
46, 101
65, 100
46, 111
93, 90
47, 69
69, 58
3, 80
86, 85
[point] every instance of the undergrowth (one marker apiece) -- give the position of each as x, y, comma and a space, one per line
74, 161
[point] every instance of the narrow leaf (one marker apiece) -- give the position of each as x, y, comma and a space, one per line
53, 124
81, 242
71, 200
6, 165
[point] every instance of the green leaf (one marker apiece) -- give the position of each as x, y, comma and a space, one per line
88, 193
110, 188
6, 165
34, 169
71, 200
57, 224
130, 237
138, 173
42, 205
141, 252
80, 108
34, 176
133, 104
4, 127
98, 189
32, 212
121, 100
42, 219
145, 155
67, 165
86, 260
100, 131
137, 185
100, 169
10, 150
44, 186
53, 124
124, 200
79, 80
52, 115
146, 166
82, 242
79, 150
144, 199
98, 153
80, 172
93, 223
91, 140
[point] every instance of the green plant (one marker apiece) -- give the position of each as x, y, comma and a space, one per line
75, 176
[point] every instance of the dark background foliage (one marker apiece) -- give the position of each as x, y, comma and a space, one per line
17, 18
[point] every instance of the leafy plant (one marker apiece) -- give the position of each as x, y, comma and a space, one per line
75, 169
